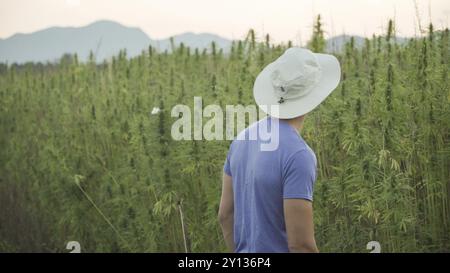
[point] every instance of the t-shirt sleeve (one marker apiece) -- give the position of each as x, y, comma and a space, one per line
299, 176
226, 166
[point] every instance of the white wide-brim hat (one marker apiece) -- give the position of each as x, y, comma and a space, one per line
296, 83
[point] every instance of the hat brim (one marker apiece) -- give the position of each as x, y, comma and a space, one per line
265, 96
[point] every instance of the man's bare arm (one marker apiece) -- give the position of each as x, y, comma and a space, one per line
298, 214
226, 211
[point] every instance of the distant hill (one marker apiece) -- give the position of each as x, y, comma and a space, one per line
201, 41
106, 38
337, 43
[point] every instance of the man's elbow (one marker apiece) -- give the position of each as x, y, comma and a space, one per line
225, 217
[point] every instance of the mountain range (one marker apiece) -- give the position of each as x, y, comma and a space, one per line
105, 39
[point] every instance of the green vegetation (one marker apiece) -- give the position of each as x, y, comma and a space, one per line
82, 159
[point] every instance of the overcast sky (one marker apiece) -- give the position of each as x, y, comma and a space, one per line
283, 19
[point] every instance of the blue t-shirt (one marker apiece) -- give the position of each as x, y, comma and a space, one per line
262, 179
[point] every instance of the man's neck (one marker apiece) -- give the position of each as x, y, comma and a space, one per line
297, 123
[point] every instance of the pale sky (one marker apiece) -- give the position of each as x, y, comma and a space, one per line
282, 19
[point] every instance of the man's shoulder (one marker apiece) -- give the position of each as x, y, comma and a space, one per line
291, 140
295, 147
249, 133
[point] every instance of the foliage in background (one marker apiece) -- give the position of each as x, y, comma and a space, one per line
83, 159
